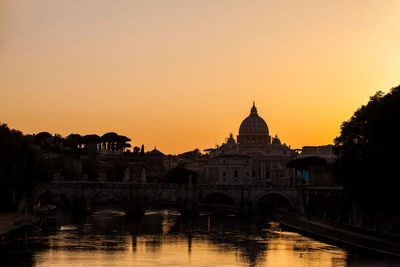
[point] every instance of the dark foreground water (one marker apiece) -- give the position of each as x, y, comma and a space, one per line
164, 238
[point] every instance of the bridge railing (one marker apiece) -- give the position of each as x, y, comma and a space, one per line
167, 185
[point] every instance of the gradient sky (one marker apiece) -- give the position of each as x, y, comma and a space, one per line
183, 74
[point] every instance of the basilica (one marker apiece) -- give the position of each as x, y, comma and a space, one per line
253, 158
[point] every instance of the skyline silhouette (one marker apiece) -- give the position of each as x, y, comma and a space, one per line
199, 133
182, 75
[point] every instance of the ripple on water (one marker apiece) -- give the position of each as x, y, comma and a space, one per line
164, 238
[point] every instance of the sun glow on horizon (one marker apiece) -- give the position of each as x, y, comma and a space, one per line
183, 75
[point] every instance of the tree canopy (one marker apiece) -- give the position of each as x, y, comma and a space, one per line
21, 167
368, 153
192, 155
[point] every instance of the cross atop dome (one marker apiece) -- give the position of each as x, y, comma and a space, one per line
253, 109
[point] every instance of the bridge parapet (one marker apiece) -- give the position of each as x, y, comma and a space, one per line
138, 195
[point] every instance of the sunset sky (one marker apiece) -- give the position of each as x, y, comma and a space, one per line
183, 74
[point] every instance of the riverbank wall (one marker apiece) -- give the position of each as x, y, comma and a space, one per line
12, 222
343, 237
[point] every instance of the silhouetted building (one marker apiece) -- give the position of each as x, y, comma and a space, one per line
325, 152
314, 166
155, 164
254, 158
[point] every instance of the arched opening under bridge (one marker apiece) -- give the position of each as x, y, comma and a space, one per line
165, 197
50, 200
220, 201
167, 200
273, 202
105, 201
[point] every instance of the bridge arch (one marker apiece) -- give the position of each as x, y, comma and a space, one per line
162, 192
92, 197
45, 193
223, 196
273, 199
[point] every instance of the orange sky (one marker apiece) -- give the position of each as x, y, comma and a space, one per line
183, 74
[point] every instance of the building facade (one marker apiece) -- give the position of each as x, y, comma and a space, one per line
253, 158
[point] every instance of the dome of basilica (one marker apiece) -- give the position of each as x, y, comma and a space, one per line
253, 124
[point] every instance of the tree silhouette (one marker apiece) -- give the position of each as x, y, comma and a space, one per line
41, 137
21, 166
122, 142
368, 149
192, 155
109, 141
73, 141
142, 149
90, 138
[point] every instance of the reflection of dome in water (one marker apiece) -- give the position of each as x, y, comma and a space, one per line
254, 130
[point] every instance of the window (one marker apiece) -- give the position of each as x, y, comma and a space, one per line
223, 174
235, 173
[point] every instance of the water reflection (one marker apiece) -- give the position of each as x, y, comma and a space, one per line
164, 238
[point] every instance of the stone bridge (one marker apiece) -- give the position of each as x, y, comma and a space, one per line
135, 197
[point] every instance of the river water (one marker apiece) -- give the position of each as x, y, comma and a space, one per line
164, 238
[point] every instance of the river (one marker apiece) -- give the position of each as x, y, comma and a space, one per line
163, 238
